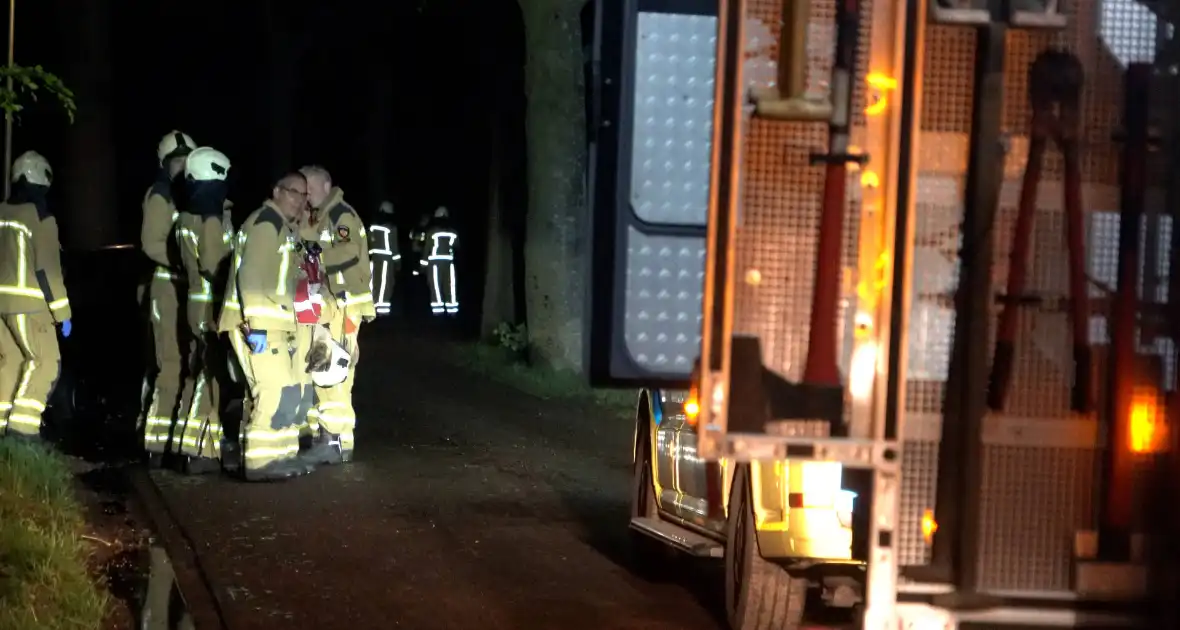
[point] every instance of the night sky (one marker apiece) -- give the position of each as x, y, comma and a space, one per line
396, 100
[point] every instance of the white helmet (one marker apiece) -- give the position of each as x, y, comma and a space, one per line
206, 164
336, 370
174, 144
441, 213
33, 167
386, 207
328, 361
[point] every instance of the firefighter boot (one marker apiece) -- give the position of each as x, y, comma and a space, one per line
194, 465
231, 455
326, 449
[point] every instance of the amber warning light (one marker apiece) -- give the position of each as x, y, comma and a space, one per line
929, 526
1147, 431
692, 404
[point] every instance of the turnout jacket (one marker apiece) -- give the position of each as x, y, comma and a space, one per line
345, 259
204, 243
30, 263
156, 233
260, 292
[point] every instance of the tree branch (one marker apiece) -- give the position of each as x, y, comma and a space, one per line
27, 82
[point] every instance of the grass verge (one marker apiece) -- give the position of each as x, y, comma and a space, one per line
495, 364
44, 581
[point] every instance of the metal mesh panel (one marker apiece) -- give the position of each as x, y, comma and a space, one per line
1035, 497
779, 220
917, 495
1033, 502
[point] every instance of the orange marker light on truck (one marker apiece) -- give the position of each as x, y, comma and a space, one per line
1147, 432
929, 526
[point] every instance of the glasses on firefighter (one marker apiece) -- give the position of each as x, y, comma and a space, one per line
294, 191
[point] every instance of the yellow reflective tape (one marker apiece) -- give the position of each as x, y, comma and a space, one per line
29, 402
25, 419
34, 293
284, 267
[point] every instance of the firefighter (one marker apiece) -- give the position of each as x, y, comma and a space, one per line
204, 234
32, 299
163, 295
441, 243
259, 318
418, 242
345, 263
385, 259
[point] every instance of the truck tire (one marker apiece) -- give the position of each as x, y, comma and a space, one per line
759, 595
651, 557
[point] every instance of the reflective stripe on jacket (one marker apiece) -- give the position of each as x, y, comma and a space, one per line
156, 235
204, 243
30, 263
345, 258
261, 289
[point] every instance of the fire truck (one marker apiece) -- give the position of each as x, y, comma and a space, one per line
893, 278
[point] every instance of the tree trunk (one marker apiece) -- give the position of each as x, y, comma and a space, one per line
89, 177
498, 289
279, 96
377, 139
556, 225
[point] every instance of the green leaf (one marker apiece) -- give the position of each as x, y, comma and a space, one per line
27, 82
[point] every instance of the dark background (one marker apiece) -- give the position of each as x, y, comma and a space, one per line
397, 99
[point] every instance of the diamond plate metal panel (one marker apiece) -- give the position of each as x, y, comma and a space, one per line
650, 185
672, 144
673, 129
665, 279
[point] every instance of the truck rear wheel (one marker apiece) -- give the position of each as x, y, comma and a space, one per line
759, 595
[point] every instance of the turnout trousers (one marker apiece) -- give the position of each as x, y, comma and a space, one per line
279, 396
198, 427
333, 411
30, 362
443, 296
168, 342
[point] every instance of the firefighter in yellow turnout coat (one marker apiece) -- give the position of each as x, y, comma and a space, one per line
164, 296
338, 229
32, 299
259, 318
204, 232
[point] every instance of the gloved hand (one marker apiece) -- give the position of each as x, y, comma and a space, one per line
66, 327
257, 341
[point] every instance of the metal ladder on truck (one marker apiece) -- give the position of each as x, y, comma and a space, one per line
749, 412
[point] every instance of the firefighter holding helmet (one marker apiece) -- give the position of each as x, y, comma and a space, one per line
204, 234
259, 317
162, 385
33, 299
345, 262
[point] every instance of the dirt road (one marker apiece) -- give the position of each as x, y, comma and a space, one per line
469, 506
